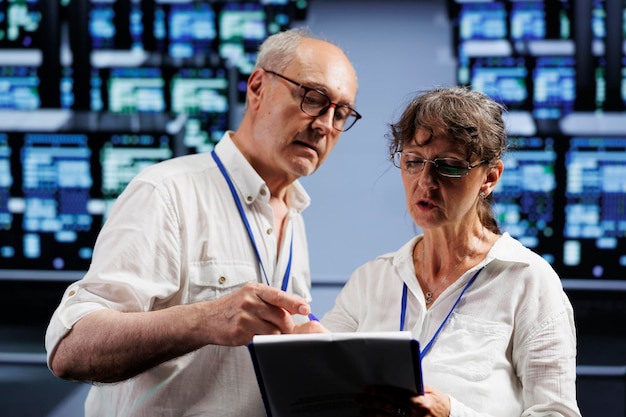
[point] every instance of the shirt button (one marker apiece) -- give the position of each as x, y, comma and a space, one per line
249, 198
71, 293
269, 231
222, 279
263, 192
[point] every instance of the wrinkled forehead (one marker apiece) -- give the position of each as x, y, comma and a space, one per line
321, 64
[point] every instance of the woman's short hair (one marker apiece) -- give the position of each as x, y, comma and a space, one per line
471, 118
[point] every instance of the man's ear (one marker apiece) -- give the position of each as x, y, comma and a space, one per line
255, 87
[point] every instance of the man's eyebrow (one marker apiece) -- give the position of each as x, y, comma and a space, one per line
322, 88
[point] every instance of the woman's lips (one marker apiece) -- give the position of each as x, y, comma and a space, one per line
425, 204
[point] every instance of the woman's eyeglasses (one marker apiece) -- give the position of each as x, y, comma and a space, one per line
446, 167
314, 103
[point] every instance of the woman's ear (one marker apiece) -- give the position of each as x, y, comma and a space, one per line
493, 176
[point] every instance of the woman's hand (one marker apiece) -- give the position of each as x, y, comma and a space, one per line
388, 401
312, 326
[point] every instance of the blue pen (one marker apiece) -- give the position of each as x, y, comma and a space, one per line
312, 317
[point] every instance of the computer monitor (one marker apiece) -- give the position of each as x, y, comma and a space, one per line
598, 19
19, 24
185, 29
554, 87
242, 29
57, 188
528, 20
505, 79
128, 89
20, 87
203, 95
595, 208
525, 197
482, 20
115, 25
564, 197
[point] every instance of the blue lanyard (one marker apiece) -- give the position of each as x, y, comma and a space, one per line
249, 229
443, 323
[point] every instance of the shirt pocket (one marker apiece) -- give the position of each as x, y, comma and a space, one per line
213, 279
300, 285
470, 347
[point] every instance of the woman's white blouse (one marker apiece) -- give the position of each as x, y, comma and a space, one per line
508, 349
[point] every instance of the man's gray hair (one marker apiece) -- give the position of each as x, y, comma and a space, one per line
279, 49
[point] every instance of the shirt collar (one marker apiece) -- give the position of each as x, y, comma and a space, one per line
508, 249
249, 183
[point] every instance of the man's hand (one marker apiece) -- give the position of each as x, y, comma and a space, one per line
254, 309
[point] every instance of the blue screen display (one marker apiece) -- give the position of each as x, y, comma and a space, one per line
20, 22
595, 211
554, 91
528, 20
526, 192
483, 20
56, 190
203, 95
20, 86
128, 89
505, 79
185, 29
115, 25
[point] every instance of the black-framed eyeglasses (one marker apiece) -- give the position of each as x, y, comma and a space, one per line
446, 167
315, 103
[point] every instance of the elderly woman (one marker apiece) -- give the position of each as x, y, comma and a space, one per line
495, 326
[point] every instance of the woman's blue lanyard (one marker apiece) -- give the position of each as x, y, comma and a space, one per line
249, 229
443, 323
